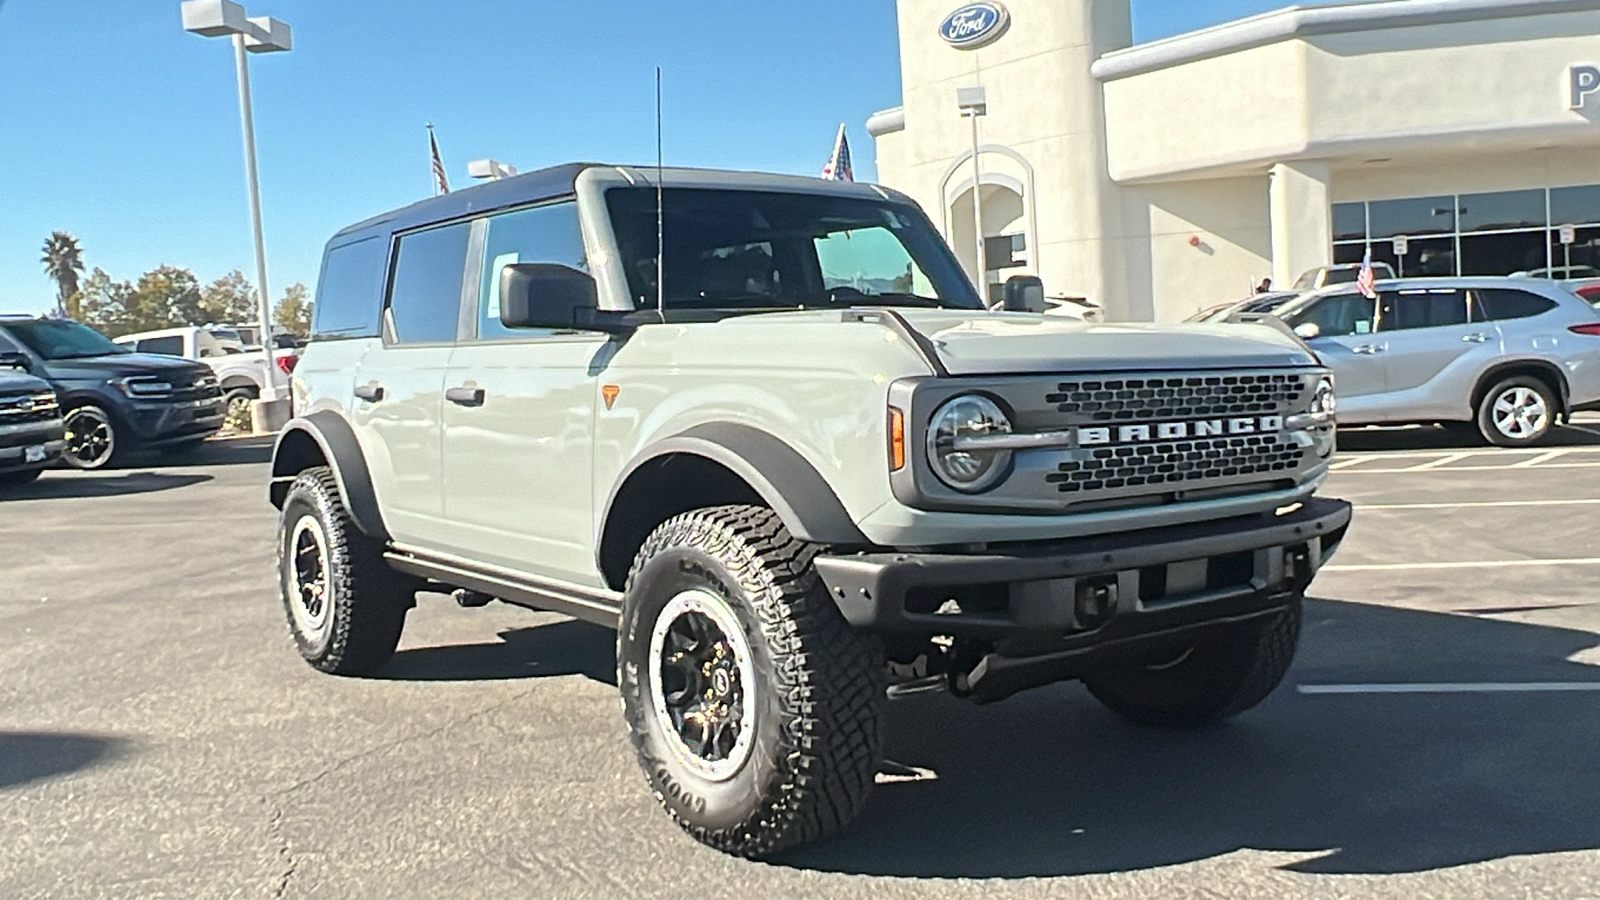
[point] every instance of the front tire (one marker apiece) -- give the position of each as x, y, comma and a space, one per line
345, 606
1220, 676
1517, 412
91, 437
755, 709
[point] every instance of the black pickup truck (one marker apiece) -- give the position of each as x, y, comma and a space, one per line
32, 435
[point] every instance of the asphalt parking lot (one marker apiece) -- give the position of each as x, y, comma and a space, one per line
159, 737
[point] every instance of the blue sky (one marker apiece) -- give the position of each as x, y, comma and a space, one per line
121, 128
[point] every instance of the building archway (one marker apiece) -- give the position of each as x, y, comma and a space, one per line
1010, 222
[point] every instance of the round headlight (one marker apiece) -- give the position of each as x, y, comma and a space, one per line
967, 469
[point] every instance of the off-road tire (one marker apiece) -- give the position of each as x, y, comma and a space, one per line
819, 687
1221, 676
18, 479
1486, 412
366, 600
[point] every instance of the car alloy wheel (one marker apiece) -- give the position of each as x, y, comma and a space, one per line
90, 438
307, 571
1520, 413
701, 669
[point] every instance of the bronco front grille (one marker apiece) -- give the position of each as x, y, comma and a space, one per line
1176, 397
1178, 462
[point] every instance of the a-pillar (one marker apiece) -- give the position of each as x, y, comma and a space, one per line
1302, 220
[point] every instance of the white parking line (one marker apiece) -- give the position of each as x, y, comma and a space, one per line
1442, 461
1491, 564
1482, 451
1480, 504
1428, 471
1534, 687
1542, 458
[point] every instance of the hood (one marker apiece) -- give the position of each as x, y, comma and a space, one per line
121, 365
972, 343
13, 381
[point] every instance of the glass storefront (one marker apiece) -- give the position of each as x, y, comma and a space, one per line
1500, 233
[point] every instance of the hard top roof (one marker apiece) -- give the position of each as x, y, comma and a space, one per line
561, 181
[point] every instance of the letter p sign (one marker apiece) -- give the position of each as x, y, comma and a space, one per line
1585, 81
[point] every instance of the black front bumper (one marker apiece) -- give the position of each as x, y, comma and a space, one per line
1113, 586
157, 423
43, 441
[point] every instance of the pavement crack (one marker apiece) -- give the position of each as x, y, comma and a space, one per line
285, 854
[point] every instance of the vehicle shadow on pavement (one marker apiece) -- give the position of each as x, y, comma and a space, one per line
561, 648
36, 756
1428, 437
1052, 784
241, 451
62, 486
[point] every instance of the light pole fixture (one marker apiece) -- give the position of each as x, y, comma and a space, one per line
490, 169
974, 104
219, 18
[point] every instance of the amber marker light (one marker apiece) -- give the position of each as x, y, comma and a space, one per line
897, 440
610, 392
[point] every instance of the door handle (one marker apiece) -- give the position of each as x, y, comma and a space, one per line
465, 396
1476, 339
1367, 349
371, 393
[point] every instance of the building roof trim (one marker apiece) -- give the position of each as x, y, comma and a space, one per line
1304, 21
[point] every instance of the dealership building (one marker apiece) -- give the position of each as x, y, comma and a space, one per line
1448, 136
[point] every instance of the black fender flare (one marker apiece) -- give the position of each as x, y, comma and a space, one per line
784, 479
336, 442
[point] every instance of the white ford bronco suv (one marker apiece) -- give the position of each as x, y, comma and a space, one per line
765, 428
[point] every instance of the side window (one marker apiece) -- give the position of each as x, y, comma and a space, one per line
545, 234
1502, 304
350, 294
1408, 310
1340, 315
425, 296
165, 346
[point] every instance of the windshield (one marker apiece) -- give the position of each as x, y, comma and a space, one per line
63, 339
768, 250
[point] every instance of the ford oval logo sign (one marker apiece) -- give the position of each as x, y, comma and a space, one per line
974, 25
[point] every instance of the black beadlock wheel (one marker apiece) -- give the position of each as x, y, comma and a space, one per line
1220, 676
345, 606
755, 709
1517, 412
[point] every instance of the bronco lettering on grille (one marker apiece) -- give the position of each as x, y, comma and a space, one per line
1107, 436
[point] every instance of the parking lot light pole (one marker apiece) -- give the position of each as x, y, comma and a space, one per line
218, 18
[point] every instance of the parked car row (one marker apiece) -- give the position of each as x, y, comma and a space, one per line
242, 372
111, 399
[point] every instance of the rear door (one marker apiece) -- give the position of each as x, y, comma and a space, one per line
399, 387
1435, 344
519, 414
1348, 344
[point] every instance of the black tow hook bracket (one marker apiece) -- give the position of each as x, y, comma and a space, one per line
470, 599
1095, 601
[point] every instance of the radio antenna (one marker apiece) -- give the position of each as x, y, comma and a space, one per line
661, 231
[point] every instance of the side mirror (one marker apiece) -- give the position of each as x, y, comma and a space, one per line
1307, 331
14, 360
545, 295
1024, 293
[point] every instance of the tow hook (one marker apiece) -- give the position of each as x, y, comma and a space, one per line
470, 599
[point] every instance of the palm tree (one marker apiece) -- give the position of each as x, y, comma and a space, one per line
63, 263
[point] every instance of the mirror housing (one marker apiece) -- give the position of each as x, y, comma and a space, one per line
1024, 293
15, 360
548, 295
1307, 331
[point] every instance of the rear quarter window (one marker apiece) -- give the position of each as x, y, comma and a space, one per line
1503, 304
350, 295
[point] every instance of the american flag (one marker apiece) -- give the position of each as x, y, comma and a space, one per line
838, 167
440, 182
1366, 282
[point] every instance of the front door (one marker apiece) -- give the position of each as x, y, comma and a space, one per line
1348, 344
399, 387
519, 418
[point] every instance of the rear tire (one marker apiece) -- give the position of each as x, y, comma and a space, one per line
755, 709
1517, 412
345, 606
1221, 676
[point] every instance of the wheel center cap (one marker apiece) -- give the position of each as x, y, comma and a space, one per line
720, 682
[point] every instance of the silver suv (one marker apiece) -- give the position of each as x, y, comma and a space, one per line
1513, 355
765, 428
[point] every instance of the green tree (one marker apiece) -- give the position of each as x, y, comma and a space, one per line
165, 297
293, 312
63, 263
104, 303
230, 300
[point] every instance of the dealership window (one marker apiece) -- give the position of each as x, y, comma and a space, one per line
1548, 233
